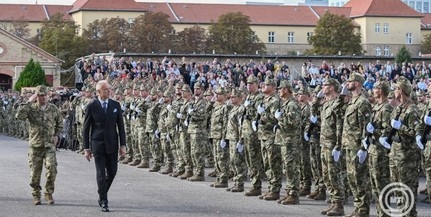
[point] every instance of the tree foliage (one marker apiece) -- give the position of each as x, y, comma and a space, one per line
335, 33
18, 27
426, 44
59, 38
32, 76
403, 56
232, 34
191, 40
152, 32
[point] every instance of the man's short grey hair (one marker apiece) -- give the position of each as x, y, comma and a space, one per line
101, 83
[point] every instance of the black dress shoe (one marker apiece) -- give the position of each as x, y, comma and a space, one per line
100, 202
105, 207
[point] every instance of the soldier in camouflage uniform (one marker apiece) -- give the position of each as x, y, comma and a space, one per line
357, 116
425, 145
196, 118
45, 128
151, 128
331, 118
378, 158
167, 131
237, 155
288, 137
210, 146
219, 117
134, 124
184, 137
266, 126
127, 113
173, 124
80, 103
140, 113
404, 155
249, 137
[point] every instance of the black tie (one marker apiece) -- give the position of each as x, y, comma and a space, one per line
105, 107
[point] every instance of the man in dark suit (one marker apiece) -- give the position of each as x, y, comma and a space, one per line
103, 130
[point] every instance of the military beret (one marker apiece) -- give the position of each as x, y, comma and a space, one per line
270, 81
284, 84
252, 79
356, 77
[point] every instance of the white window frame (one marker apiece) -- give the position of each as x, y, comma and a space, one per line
309, 34
271, 37
378, 51
386, 28
290, 37
386, 51
409, 38
377, 28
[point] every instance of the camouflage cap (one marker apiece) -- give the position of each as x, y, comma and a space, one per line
228, 89
384, 86
404, 85
143, 87
168, 93
303, 91
421, 93
356, 77
186, 88
413, 96
252, 79
331, 81
284, 84
198, 85
220, 91
179, 85
41, 90
154, 91
208, 93
136, 86
236, 93
270, 81
128, 86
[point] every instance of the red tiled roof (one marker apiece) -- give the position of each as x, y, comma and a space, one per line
62, 9
381, 8
426, 21
321, 10
30, 13
106, 5
159, 7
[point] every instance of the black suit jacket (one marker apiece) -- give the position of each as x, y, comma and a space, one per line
103, 132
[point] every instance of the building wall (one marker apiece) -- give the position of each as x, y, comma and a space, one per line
83, 18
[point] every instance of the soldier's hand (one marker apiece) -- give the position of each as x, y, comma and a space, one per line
88, 155
122, 151
419, 142
306, 137
427, 120
260, 109
362, 155
55, 140
336, 154
383, 141
179, 115
364, 143
278, 114
370, 128
320, 94
32, 98
313, 119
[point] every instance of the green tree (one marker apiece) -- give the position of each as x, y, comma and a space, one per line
59, 38
426, 44
232, 34
191, 40
335, 33
403, 56
32, 76
152, 32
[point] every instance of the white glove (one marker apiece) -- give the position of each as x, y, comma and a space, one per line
383, 142
396, 124
239, 121
246, 103
254, 126
169, 107
161, 101
278, 114
364, 142
370, 128
123, 107
222, 144
190, 111
138, 110
320, 94
362, 155
239, 147
213, 99
274, 129
168, 137
132, 107
419, 143
179, 115
336, 154
83, 107
260, 109
427, 120
313, 119
306, 137
186, 123
344, 91
156, 134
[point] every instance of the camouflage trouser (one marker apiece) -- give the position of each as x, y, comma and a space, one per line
184, 141
177, 151
144, 145
305, 165
358, 178
37, 158
198, 149
156, 150
331, 174
427, 166
79, 136
291, 161
403, 165
167, 150
378, 162
135, 131
210, 152
253, 158
221, 160
272, 158
316, 166
237, 163
129, 143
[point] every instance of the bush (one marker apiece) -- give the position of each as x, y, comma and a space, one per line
32, 76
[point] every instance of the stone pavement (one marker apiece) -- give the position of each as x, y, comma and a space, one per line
135, 192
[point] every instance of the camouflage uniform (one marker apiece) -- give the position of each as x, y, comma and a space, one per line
45, 124
184, 136
288, 137
357, 115
166, 126
140, 115
128, 100
151, 128
305, 165
173, 124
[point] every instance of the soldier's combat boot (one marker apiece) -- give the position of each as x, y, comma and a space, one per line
237, 188
36, 200
313, 194
213, 174
253, 192
320, 196
143, 164
272, 196
423, 191
325, 211
154, 169
126, 161
186, 175
134, 163
176, 173
304, 192
338, 210
282, 198
220, 185
49, 199
263, 195
196, 178
291, 200
166, 170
